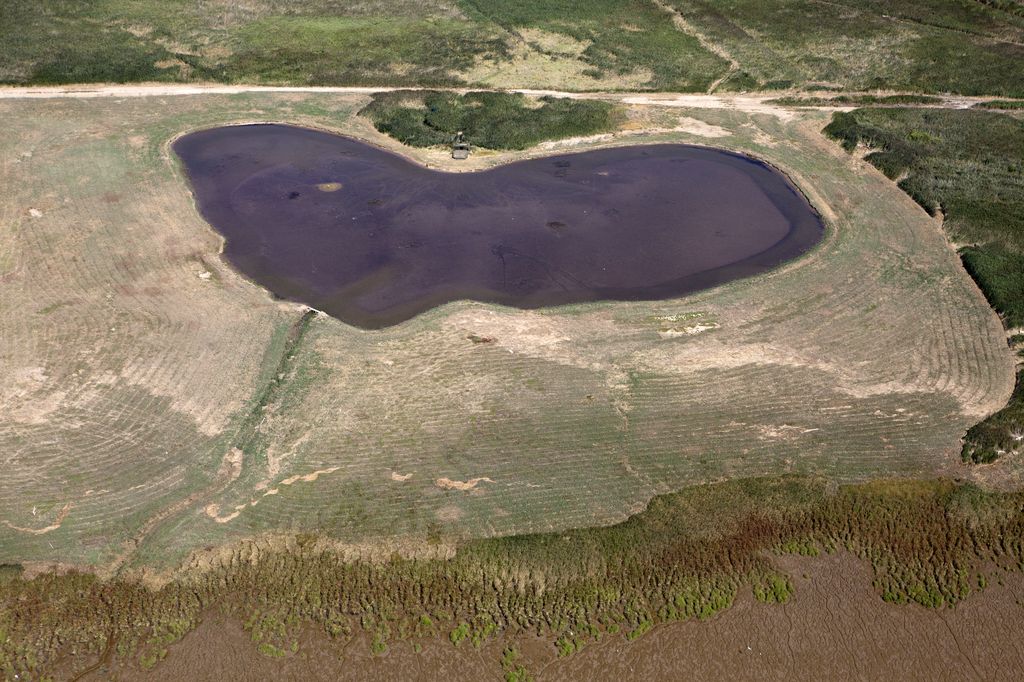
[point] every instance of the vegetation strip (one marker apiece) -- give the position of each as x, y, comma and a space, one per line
248, 431
859, 100
1007, 104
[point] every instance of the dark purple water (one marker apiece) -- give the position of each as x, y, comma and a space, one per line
396, 239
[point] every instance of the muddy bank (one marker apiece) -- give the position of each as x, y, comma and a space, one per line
373, 239
834, 627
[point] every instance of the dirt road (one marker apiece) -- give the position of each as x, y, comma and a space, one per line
751, 103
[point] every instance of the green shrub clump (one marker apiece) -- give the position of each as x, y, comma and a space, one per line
495, 120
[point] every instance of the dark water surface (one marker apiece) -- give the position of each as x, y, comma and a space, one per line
373, 239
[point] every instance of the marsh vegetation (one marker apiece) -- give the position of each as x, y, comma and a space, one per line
686, 557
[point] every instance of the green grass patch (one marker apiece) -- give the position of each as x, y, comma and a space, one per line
460, 633
346, 51
316, 42
774, 589
489, 119
1000, 274
50, 43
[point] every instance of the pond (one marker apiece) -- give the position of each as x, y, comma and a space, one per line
374, 239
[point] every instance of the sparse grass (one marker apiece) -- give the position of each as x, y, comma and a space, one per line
489, 119
554, 407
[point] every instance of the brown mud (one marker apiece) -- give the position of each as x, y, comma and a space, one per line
835, 626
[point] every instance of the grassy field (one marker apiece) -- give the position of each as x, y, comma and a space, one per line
967, 166
307, 42
680, 45
494, 120
929, 46
871, 356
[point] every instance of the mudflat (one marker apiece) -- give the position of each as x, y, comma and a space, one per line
373, 239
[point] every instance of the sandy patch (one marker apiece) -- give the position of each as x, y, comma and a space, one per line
692, 330
449, 484
213, 510
549, 60
231, 464
700, 128
309, 478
